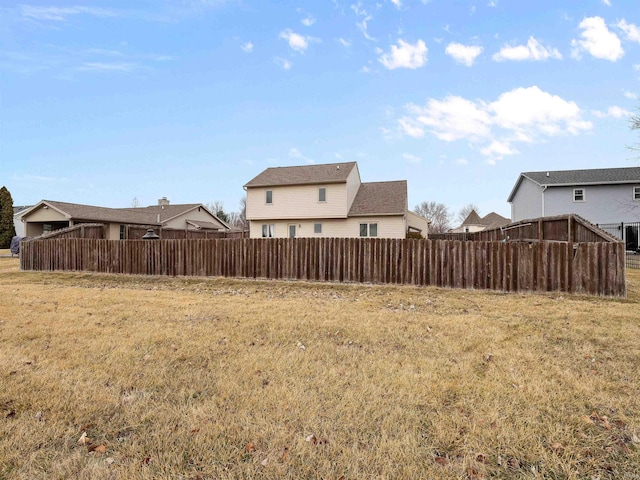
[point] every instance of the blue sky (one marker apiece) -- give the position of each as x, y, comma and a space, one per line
104, 101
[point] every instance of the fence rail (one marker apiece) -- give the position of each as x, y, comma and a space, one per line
590, 268
629, 233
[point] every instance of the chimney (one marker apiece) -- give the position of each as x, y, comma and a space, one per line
163, 201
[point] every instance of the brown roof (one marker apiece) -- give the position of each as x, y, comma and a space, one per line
303, 175
493, 220
473, 219
153, 215
380, 198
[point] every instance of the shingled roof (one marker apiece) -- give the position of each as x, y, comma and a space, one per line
380, 198
594, 176
473, 219
153, 215
303, 175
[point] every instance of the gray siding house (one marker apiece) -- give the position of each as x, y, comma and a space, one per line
602, 196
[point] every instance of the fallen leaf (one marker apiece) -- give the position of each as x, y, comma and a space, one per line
311, 439
557, 447
441, 461
83, 439
98, 448
264, 462
250, 447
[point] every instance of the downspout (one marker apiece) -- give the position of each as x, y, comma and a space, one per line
544, 187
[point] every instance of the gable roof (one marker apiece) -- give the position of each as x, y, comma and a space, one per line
594, 176
153, 215
380, 198
303, 175
472, 219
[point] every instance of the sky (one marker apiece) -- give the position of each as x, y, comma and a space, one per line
104, 102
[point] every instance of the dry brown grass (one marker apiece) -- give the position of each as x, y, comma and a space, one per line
215, 378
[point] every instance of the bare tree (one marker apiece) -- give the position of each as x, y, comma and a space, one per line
217, 208
634, 124
241, 219
437, 213
465, 211
135, 203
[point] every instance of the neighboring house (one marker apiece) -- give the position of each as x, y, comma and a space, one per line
328, 200
17, 219
473, 222
602, 196
47, 216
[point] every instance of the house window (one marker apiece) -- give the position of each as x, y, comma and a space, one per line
121, 232
636, 193
578, 195
317, 228
368, 229
269, 196
268, 230
322, 194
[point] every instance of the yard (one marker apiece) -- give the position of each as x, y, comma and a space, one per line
108, 377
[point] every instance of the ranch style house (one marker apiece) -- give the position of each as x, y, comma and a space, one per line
47, 216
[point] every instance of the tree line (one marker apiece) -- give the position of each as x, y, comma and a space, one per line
441, 218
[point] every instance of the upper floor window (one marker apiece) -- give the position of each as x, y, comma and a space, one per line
368, 229
317, 228
269, 196
579, 195
636, 193
322, 194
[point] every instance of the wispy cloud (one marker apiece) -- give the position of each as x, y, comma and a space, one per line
61, 14
631, 31
283, 62
612, 112
108, 67
247, 47
411, 158
365, 18
308, 21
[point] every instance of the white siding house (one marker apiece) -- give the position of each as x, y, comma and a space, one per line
327, 201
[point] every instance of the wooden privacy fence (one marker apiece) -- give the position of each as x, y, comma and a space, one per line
590, 268
562, 228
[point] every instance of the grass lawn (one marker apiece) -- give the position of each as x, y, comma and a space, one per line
108, 377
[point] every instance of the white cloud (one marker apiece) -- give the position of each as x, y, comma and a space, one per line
607, 2
60, 14
308, 21
247, 47
631, 95
405, 55
522, 115
533, 50
631, 31
397, 3
345, 43
411, 158
613, 112
108, 67
297, 155
297, 42
464, 54
492, 3
597, 40
363, 25
283, 62
462, 161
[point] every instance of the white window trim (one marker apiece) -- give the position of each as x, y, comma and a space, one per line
635, 193
325, 194
584, 195
271, 230
368, 235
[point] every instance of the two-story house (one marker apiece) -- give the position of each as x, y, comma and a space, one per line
327, 200
602, 196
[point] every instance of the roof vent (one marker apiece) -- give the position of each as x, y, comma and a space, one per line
337, 167
547, 174
163, 201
